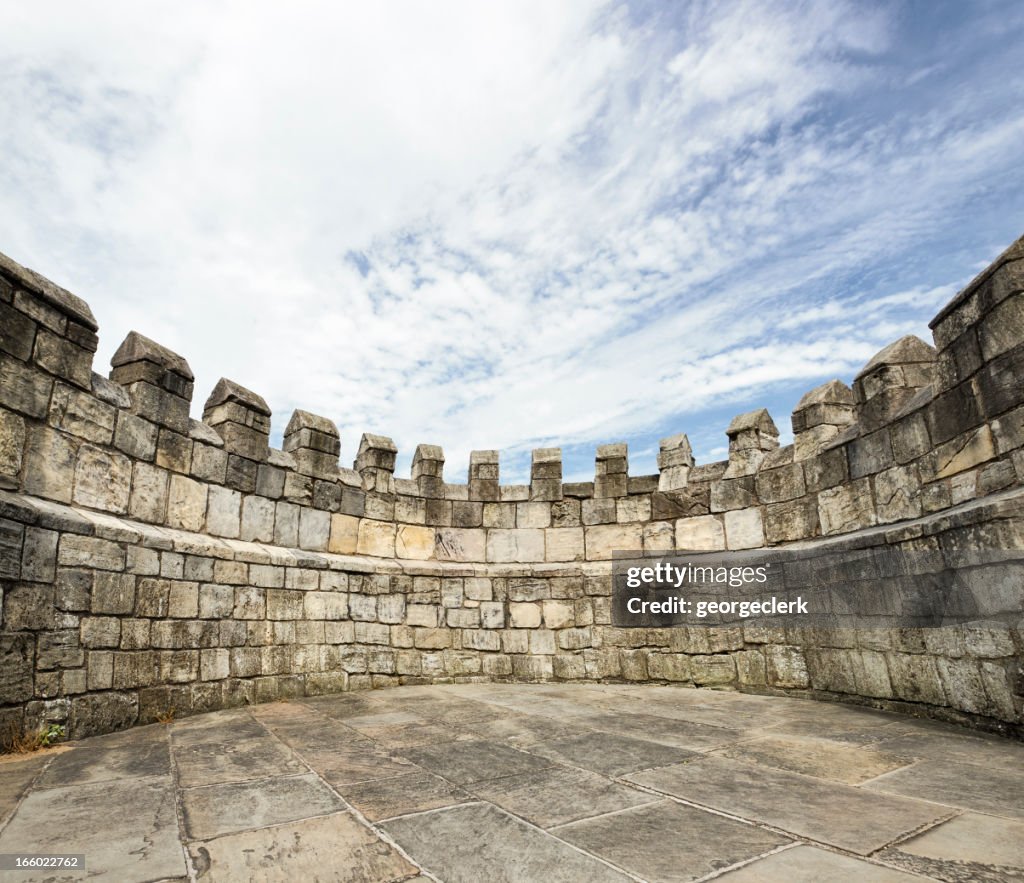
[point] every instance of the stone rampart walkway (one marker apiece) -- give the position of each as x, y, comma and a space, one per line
553, 784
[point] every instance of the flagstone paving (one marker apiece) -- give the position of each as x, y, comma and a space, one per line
526, 784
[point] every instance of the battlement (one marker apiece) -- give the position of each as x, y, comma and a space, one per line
922, 428
133, 535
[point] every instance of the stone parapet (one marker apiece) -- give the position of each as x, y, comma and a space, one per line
119, 463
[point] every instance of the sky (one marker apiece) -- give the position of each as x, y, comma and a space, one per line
513, 224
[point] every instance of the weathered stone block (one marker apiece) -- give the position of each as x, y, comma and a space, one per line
781, 484
148, 501
604, 539
113, 593
897, 494
376, 538
16, 668
915, 678
786, 667
515, 545
315, 529
102, 480
787, 522
700, 533
38, 554
82, 415
414, 542
224, 512
563, 544
743, 529
846, 508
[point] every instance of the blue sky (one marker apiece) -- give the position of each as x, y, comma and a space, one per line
519, 224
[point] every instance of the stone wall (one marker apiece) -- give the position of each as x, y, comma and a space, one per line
151, 562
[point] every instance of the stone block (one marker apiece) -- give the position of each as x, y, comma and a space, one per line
376, 538
102, 480
846, 508
870, 454
786, 667
344, 535
506, 546
82, 415
38, 554
701, 533
224, 512
113, 593
915, 678
598, 511
604, 539
492, 615
174, 451
897, 494
781, 484
62, 358
743, 529
148, 500
414, 542
788, 522
315, 529
563, 544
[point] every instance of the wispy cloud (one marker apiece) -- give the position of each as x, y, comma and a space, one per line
506, 225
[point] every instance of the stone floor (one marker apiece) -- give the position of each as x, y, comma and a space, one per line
557, 784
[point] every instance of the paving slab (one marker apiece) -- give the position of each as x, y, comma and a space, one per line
475, 761
840, 815
610, 754
409, 735
954, 747
343, 705
491, 782
666, 842
413, 792
521, 730
223, 809
969, 847
208, 763
212, 728
346, 766
680, 733
130, 754
559, 795
126, 830
335, 847
808, 864
968, 786
16, 775
824, 758
474, 842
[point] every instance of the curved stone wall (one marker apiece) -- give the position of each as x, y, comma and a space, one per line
150, 562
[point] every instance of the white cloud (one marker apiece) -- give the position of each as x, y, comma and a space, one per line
493, 225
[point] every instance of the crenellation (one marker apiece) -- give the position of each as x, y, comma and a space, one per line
147, 556
611, 471
241, 418
675, 461
546, 474
484, 476
751, 436
314, 444
428, 471
375, 463
890, 379
159, 382
820, 416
